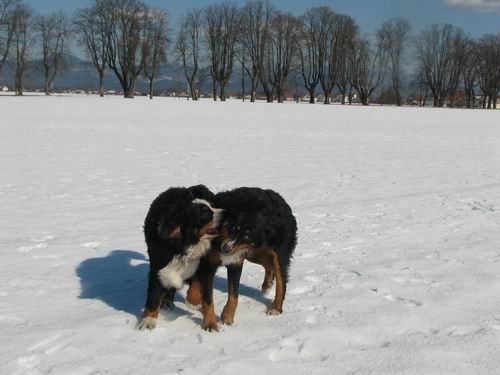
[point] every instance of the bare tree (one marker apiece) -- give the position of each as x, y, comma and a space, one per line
188, 47
328, 52
124, 25
346, 46
470, 71
368, 69
418, 86
281, 51
347, 43
489, 69
222, 27
311, 33
155, 45
393, 36
22, 41
90, 26
438, 54
334, 48
53, 32
256, 15
7, 11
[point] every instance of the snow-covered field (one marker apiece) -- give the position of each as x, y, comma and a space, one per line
397, 270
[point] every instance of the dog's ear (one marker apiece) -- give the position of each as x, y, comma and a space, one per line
171, 233
201, 192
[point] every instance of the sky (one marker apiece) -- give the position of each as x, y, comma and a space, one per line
474, 16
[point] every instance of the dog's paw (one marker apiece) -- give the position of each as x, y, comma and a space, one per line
227, 320
147, 323
273, 311
210, 326
227, 316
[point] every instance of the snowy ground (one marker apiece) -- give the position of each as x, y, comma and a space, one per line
397, 268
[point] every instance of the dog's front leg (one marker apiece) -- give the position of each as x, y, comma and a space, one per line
156, 292
207, 306
233, 283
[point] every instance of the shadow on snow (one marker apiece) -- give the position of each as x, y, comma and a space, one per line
119, 279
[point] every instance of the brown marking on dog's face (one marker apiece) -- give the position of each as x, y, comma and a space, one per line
170, 234
207, 230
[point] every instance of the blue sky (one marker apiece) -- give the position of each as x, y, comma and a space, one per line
475, 16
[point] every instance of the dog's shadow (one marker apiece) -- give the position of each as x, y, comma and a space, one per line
119, 279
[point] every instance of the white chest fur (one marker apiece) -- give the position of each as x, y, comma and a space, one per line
182, 267
233, 259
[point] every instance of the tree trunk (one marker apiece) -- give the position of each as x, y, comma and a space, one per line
128, 93
342, 92
47, 87
222, 92
243, 81
194, 95
312, 96
19, 84
327, 98
214, 90
280, 95
151, 94
254, 90
101, 85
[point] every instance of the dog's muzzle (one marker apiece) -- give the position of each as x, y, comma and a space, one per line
227, 248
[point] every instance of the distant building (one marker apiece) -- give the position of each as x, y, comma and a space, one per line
5, 89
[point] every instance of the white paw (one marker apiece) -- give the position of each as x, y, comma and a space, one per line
147, 323
273, 312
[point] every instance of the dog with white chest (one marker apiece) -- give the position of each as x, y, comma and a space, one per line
178, 230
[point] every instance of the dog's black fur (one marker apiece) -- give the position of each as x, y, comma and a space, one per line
173, 225
258, 225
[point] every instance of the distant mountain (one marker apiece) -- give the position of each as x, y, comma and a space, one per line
81, 75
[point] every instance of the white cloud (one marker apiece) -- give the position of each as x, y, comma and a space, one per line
479, 5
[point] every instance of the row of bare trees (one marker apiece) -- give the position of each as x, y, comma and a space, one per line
450, 61
330, 54
322, 51
324, 46
125, 36
21, 30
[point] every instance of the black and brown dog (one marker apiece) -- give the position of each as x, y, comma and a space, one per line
178, 229
257, 225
